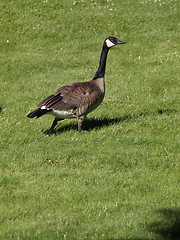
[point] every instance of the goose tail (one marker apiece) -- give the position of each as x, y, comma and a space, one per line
38, 113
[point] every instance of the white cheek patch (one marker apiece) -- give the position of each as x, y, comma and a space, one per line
109, 43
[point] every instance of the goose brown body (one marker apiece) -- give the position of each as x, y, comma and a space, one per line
79, 98
82, 97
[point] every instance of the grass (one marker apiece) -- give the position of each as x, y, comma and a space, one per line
119, 179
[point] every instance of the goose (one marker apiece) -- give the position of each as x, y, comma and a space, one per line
77, 99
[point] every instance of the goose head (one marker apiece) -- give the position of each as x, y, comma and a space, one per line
112, 41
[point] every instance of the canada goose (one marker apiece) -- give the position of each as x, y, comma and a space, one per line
79, 98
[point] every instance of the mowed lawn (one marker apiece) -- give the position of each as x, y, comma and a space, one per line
119, 178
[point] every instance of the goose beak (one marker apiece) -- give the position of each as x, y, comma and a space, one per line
120, 42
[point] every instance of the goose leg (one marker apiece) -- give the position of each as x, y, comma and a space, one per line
80, 121
52, 127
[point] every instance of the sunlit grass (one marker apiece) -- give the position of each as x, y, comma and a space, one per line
119, 179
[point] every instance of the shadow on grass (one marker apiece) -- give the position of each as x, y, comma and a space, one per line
90, 124
0, 109
128, 239
166, 228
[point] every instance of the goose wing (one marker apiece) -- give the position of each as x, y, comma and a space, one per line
69, 96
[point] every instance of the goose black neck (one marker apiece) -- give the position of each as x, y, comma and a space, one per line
102, 64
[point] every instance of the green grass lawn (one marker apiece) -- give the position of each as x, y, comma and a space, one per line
119, 178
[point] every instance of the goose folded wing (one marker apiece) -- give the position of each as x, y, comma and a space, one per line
67, 97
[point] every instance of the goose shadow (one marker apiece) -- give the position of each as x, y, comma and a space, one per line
89, 124
93, 123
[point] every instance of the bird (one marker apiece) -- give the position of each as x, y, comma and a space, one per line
77, 99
